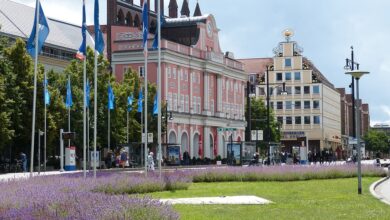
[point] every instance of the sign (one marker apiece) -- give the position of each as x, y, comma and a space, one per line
95, 158
150, 137
173, 157
293, 134
226, 129
352, 140
70, 158
68, 135
257, 135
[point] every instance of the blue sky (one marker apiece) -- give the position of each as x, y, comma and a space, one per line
324, 28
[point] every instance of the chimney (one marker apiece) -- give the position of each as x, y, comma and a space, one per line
185, 10
173, 8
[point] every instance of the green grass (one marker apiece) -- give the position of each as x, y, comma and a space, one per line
314, 199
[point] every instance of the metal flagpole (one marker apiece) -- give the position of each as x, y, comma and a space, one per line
35, 89
127, 127
146, 112
109, 122
159, 86
95, 116
88, 154
45, 127
84, 117
69, 113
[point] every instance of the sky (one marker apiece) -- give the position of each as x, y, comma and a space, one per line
325, 29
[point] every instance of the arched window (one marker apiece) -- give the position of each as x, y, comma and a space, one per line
152, 27
136, 21
128, 19
119, 19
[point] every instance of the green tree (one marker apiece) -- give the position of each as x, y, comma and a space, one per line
259, 122
377, 141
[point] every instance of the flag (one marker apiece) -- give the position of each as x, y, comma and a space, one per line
140, 97
111, 98
145, 26
43, 32
87, 94
46, 92
130, 103
99, 41
82, 50
69, 101
155, 41
155, 106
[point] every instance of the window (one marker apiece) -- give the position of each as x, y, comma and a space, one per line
297, 104
289, 120
298, 120
261, 91
287, 76
306, 89
169, 101
297, 90
316, 104
174, 73
280, 120
288, 90
316, 119
306, 104
297, 76
141, 71
252, 78
168, 72
174, 102
279, 76
288, 105
307, 120
271, 91
187, 104
316, 89
279, 105
287, 62
271, 105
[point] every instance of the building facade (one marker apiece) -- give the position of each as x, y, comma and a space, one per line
204, 89
305, 103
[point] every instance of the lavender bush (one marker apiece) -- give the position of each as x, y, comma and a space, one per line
282, 173
72, 197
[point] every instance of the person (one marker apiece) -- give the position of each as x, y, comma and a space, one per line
150, 161
109, 159
23, 159
186, 158
255, 160
123, 158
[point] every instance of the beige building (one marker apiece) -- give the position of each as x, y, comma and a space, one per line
305, 103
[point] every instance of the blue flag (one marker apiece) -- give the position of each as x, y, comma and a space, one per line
155, 41
99, 41
145, 26
155, 106
111, 98
130, 103
69, 101
46, 92
82, 50
43, 32
140, 97
87, 94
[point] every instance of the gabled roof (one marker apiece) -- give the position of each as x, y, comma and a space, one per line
256, 65
17, 21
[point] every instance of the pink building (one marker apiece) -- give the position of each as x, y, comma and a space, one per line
204, 89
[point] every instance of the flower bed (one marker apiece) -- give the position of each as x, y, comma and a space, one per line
282, 173
72, 197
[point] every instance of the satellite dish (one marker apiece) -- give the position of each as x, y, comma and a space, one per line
288, 33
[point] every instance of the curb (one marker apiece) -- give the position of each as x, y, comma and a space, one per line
376, 195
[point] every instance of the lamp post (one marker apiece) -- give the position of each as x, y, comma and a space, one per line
269, 133
350, 65
166, 116
357, 74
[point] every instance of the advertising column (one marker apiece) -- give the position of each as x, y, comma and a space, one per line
70, 158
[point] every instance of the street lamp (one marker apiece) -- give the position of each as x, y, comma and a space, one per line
357, 74
269, 136
166, 116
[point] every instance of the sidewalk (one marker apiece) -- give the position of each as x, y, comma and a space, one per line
13, 176
383, 191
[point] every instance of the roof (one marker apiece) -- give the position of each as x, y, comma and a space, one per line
317, 73
256, 65
16, 20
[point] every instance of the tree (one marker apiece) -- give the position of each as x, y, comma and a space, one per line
259, 121
377, 141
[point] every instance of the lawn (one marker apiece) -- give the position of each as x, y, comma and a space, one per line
313, 199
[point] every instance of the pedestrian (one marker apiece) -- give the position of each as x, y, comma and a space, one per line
23, 159
109, 159
150, 162
123, 158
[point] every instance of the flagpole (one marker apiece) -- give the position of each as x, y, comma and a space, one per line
146, 111
109, 122
88, 154
45, 127
127, 127
159, 86
95, 116
84, 116
69, 112
35, 89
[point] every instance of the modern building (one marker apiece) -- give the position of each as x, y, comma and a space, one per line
305, 103
382, 127
204, 88
16, 21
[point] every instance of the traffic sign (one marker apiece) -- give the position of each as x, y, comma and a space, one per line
150, 137
352, 140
